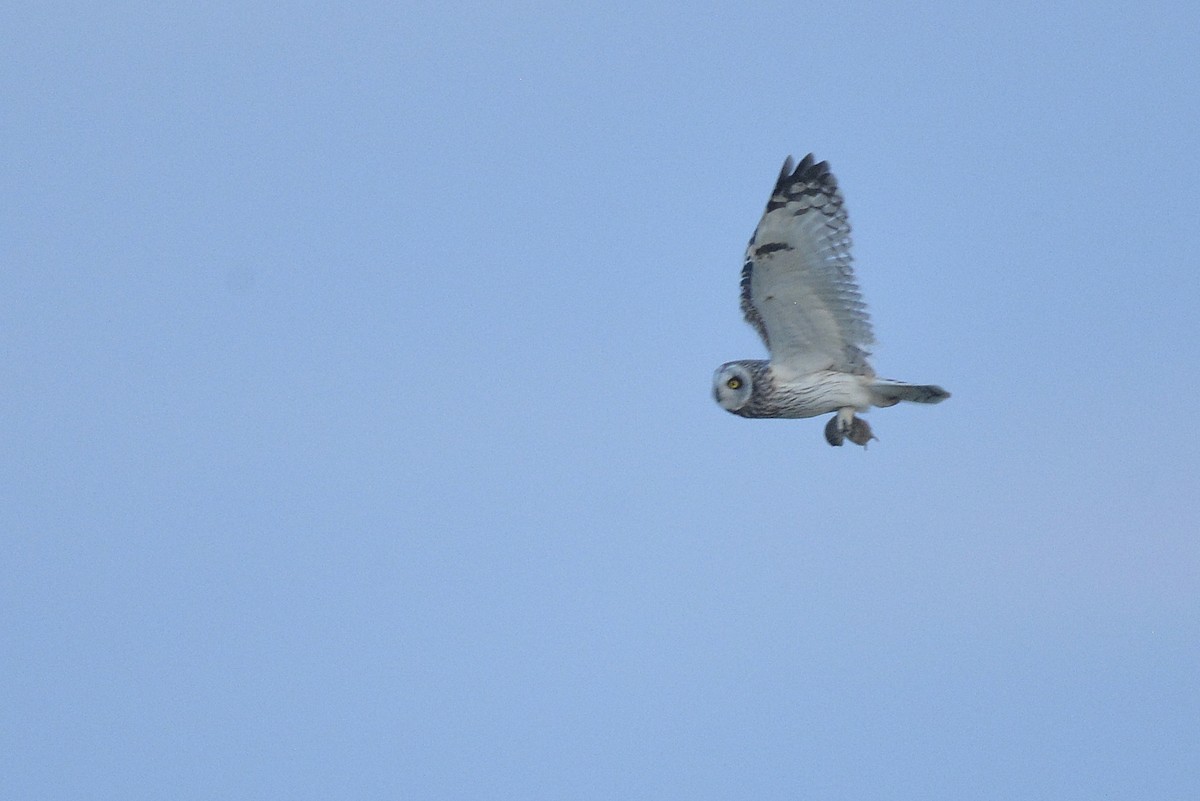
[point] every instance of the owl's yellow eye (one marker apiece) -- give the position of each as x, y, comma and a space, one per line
734, 383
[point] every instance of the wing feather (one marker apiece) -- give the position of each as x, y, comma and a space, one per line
798, 287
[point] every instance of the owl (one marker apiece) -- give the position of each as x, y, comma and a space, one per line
799, 293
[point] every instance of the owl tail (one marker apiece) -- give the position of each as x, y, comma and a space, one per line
888, 393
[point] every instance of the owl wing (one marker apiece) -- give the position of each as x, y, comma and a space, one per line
798, 288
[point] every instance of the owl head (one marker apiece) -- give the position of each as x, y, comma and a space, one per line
733, 386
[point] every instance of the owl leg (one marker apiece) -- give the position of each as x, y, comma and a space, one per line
844, 425
839, 426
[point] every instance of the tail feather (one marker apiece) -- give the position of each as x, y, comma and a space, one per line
885, 392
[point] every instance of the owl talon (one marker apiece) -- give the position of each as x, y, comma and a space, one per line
834, 434
842, 427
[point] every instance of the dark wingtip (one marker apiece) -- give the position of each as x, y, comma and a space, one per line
809, 169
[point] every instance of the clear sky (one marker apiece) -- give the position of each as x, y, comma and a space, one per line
357, 430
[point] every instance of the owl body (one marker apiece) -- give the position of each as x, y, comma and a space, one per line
754, 388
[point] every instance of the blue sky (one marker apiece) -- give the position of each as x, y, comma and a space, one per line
358, 439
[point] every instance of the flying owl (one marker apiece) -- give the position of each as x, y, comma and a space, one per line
799, 293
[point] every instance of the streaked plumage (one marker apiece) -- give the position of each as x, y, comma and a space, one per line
799, 293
